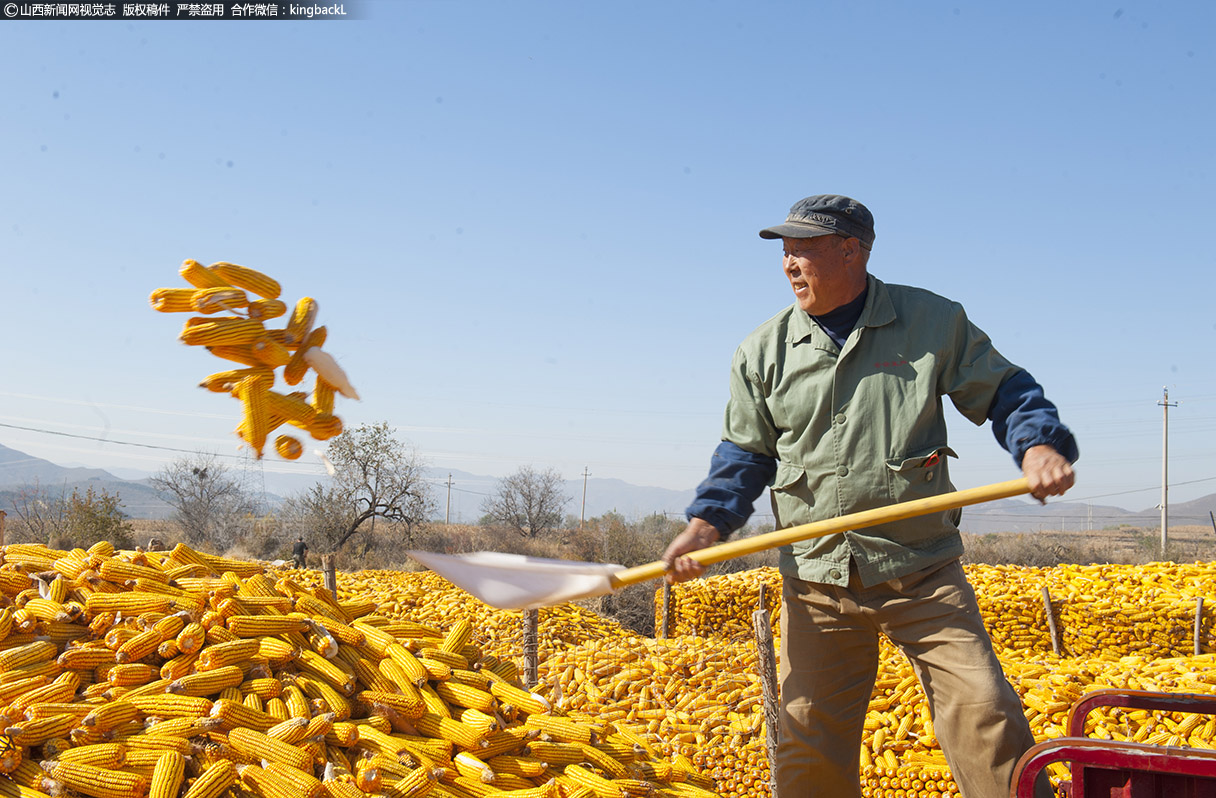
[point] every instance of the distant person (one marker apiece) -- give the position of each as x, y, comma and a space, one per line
836, 405
155, 545
299, 552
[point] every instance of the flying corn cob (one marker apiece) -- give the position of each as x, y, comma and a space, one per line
173, 300
249, 279
218, 299
221, 332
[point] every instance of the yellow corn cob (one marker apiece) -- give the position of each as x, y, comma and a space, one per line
214, 781
408, 706
235, 713
158, 742
264, 688
270, 352
238, 353
288, 448
98, 782
110, 715
11, 755
456, 638
603, 761
341, 789
225, 381
249, 279
582, 777
256, 425
257, 744
46, 609
522, 700
471, 767
467, 696
409, 664
417, 784
342, 735
301, 783
207, 683
171, 706
302, 318
221, 655
311, 661
320, 690
191, 638
556, 754
266, 309
461, 734
121, 571
265, 784
132, 674
368, 778
223, 331
290, 731
29, 654
218, 299
297, 367
141, 646
127, 603
168, 775
322, 397
99, 755
200, 276
325, 426
61, 689
173, 300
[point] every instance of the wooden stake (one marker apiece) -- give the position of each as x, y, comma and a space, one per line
330, 573
2, 514
1051, 622
767, 664
1198, 625
665, 628
531, 663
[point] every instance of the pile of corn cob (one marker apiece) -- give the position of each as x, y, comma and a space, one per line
242, 337
130, 674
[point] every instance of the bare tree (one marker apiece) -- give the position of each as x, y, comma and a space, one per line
529, 501
208, 503
66, 520
375, 476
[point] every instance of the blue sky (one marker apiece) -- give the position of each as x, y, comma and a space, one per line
531, 227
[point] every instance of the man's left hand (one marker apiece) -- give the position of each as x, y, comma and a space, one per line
1047, 471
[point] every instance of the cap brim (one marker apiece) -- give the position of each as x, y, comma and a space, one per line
795, 230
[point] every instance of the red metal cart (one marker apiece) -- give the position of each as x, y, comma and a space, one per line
1111, 769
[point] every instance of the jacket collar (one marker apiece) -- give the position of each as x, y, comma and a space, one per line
877, 312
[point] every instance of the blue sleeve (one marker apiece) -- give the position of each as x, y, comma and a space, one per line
736, 479
1022, 417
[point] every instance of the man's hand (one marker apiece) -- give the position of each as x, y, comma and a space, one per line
697, 535
1048, 473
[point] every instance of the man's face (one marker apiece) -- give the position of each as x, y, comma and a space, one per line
825, 272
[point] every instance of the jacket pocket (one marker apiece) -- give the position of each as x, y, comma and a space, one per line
923, 473
792, 496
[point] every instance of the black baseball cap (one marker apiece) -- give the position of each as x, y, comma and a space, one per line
824, 215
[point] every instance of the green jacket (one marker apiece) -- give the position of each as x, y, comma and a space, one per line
862, 427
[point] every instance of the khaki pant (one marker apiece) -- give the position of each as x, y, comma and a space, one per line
829, 660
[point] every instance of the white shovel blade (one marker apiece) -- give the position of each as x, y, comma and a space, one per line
519, 582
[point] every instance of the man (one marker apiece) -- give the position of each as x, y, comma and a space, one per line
835, 403
299, 552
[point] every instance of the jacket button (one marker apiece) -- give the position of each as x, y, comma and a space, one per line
928, 476
840, 418
834, 573
841, 471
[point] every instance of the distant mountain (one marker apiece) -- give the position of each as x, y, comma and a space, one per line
19, 470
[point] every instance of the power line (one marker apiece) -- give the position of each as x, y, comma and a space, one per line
111, 440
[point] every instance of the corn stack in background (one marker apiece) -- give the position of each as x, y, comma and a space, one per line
242, 337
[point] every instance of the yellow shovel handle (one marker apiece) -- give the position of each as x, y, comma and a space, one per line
829, 526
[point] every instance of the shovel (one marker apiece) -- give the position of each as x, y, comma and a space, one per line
517, 582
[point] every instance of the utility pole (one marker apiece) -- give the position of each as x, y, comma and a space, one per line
447, 514
583, 512
1166, 404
